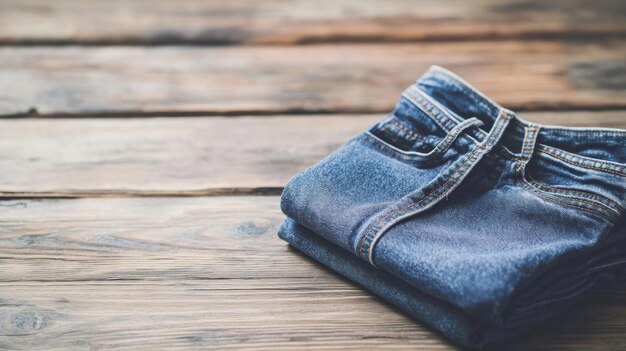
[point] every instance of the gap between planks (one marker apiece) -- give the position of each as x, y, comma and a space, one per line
284, 22
107, 81
213, 156
33, 113
199, 272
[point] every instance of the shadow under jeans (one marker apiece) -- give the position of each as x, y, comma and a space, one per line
595, 324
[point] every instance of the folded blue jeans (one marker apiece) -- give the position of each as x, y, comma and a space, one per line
464, 215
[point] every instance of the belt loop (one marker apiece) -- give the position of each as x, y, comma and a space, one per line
530, 138
408, 207
497, 130
528, 147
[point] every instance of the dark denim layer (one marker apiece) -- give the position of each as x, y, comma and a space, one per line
470, 204
448, 319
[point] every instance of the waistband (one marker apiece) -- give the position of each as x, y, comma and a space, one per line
450, 100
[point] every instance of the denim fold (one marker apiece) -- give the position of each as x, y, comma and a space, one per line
463, 214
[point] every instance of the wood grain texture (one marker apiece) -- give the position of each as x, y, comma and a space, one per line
87, 81
293, 22
198, 273
140, 271
185, 156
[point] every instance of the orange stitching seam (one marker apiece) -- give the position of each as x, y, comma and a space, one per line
466, 89
583, 165
521, 179
571, 205
427, 109
598, 132
416, 203
414, 136
499, 127
394, 152
597, 197
593, 204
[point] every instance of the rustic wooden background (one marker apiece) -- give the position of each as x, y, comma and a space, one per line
143, 146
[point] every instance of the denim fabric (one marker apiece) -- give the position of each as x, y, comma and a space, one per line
463, 214
444, 317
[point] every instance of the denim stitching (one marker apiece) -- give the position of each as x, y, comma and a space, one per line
589, 202
528, 145
576, 162
396, 154
440, 149
489, 139
443, 193
414, 204
521, 179
449, 140
576, 159
415, 93
446, 191
444, 116
367, 237
582, 131
448, 122
551, 198
425, 110
390, 150
422, 102
574, 192
488, 142
443, 121
411, 134
464, 88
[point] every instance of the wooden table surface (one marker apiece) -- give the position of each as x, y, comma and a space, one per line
143, 146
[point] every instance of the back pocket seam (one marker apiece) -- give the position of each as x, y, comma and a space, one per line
582, 194
601, 166
551, 198
606, 212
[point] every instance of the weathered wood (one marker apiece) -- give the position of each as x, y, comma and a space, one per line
188, 273
319, 78
185, 156
209, 272
289, 22
175, 273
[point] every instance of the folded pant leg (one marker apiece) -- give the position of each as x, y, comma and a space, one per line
447, 319
450, 320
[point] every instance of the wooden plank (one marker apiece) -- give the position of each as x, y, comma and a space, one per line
175, 273
288, 22
185, 156
189, 273
318, 78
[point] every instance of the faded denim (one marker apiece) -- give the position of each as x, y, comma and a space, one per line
463, 214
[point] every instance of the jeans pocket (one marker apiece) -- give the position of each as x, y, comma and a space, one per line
589, 191
395, 138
